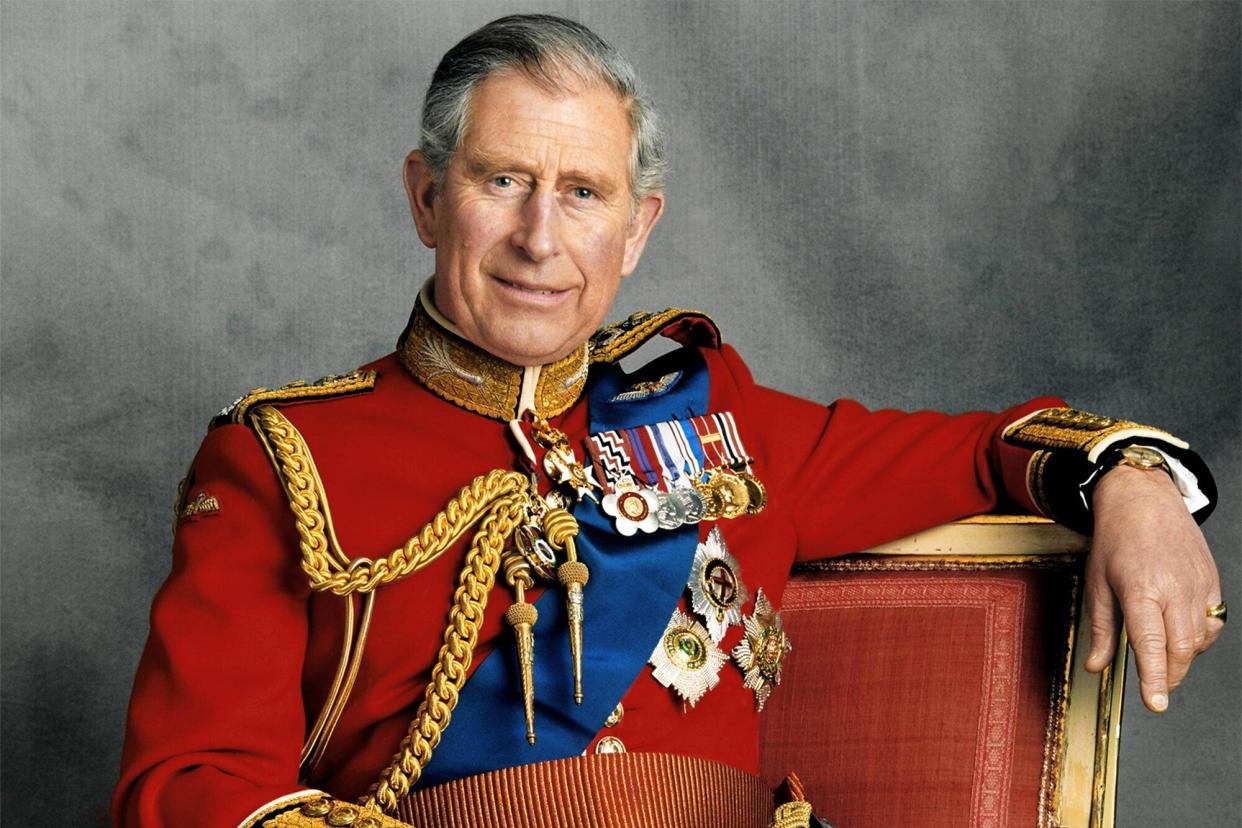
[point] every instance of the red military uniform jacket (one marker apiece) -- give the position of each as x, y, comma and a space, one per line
241, 653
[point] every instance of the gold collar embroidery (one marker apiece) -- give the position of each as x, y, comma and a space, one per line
433, 350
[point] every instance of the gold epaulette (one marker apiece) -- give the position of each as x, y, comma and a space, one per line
1073, 430
689, 327
336, 385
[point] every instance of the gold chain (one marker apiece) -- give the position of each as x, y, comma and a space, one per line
341, 575
449, 673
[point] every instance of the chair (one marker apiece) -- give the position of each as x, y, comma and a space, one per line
939, 681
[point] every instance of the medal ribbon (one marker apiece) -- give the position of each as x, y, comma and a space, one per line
668, 467
660, 454
642, 458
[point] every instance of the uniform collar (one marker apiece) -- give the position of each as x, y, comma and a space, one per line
441, 358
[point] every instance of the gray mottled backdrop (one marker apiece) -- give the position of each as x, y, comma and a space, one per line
914, 204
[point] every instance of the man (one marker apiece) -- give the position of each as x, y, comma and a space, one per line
300, 647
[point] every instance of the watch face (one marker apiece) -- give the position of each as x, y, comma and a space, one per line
1142, 457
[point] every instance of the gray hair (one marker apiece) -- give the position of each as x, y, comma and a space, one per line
548, 48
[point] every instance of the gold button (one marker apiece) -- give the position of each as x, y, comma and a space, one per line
343, 815
316, 807
614, 718
367, 822
610, 744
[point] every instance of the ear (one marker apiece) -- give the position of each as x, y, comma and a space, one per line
650, 208
420, 188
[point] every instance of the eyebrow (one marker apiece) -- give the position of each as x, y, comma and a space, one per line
479, 162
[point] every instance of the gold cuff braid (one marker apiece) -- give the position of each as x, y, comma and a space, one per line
1073, 430
320, 811
792, 815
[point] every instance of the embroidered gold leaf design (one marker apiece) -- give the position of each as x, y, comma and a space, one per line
436, 356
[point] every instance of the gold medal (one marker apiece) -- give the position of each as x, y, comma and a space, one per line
756, 492
711, 501
716, 589
730, 492
686, 659
762, 650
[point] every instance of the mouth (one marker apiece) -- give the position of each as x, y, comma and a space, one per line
530, 292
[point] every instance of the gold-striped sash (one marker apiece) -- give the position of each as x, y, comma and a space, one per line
619, 790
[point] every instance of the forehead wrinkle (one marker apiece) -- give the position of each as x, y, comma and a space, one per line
551, 132
572, 162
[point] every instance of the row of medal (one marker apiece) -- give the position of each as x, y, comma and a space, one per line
675, 473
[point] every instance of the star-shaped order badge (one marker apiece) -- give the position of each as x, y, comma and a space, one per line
716, 589
686, 659
762, 650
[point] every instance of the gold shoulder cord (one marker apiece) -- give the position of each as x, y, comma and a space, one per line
497, 501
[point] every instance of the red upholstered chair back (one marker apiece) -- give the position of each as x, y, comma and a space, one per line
936, 682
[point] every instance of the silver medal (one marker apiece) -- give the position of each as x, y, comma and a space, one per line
691, 503
669, 512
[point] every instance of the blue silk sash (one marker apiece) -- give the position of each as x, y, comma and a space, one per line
634, 585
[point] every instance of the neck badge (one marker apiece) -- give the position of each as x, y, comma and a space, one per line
686, 659
716, 589
762, 650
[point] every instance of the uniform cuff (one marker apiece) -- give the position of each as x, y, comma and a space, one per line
1068, 445
278, 805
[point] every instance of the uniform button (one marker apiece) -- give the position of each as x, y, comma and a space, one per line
610, 744
367, 822
316, 807
343, 815
614, 718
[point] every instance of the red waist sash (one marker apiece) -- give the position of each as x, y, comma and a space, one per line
619, 790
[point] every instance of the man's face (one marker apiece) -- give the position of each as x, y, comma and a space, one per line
532, 226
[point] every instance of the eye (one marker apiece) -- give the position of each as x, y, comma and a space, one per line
502, 181
583, 193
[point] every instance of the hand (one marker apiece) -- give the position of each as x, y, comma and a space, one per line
1149, 560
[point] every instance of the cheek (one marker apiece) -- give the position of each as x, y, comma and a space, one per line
479, 228
601, 251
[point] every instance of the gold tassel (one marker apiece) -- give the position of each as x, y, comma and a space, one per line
522, 617
560, 528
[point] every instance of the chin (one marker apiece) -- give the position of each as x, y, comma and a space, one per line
525, 341
525, 351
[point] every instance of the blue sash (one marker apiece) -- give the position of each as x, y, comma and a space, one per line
635, 583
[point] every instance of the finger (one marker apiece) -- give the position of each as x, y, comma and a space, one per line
1104, 623
1183, 635
1213, 627
1145, 624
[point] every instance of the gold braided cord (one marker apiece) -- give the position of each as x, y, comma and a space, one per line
312, 742
327, 567
460, 637
792, 815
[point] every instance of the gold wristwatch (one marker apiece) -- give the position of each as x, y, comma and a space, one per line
1140, 457
1145, 458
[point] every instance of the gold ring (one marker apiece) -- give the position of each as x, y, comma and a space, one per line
1220, 611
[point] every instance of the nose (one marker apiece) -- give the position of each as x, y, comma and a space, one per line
538, 231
